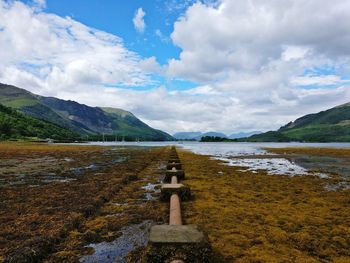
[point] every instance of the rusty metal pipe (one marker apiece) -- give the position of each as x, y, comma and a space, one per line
175, 210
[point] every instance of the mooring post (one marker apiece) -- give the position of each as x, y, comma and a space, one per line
177, 241
175, 210
175, 206
174, 179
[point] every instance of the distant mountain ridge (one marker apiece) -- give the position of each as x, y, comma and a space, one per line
332, 125
77, 117
197, 135
186, 135
243, 134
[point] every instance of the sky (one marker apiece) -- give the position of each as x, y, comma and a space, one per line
228, 66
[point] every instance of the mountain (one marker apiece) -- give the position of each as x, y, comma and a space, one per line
212, 134
186, 135
196, 135
243, 134
15, 125
77, 117
332, 125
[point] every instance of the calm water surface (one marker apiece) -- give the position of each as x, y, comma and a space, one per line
226, 148
242, 154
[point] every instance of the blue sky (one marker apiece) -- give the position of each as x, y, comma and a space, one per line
210, 65
115, 17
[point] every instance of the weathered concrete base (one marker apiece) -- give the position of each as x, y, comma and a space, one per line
161, 234
176, 160
167, 190
170, 173
169, 242
170, 166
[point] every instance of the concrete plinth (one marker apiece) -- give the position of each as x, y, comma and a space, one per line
161, 234
172, 161
185, 242
170, 173
167, 190
170, 166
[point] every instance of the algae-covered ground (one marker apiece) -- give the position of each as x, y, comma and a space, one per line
69, 203
58, 202
256, 217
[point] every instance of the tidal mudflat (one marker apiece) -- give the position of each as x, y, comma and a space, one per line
62, 203
253, 215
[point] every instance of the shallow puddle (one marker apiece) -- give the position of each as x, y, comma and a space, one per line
151, 188
132, 237
338, 186
273, 166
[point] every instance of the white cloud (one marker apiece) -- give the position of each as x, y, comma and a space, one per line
39, 3
139, 21
317, 80
161, 36
150, 65
60, 53
248, 56
247, 35
256, 52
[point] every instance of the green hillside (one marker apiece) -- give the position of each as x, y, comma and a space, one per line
77, 117
30, 104
15, 125
129, 125
332, 125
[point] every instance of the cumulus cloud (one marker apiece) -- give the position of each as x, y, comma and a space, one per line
150, 65
52, 53
257, 52
247, 35
139, 21
318, 80
251, 59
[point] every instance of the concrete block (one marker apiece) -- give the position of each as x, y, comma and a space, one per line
176, 234
180, 174
167, 190
174, 160
185, 242
170, 166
